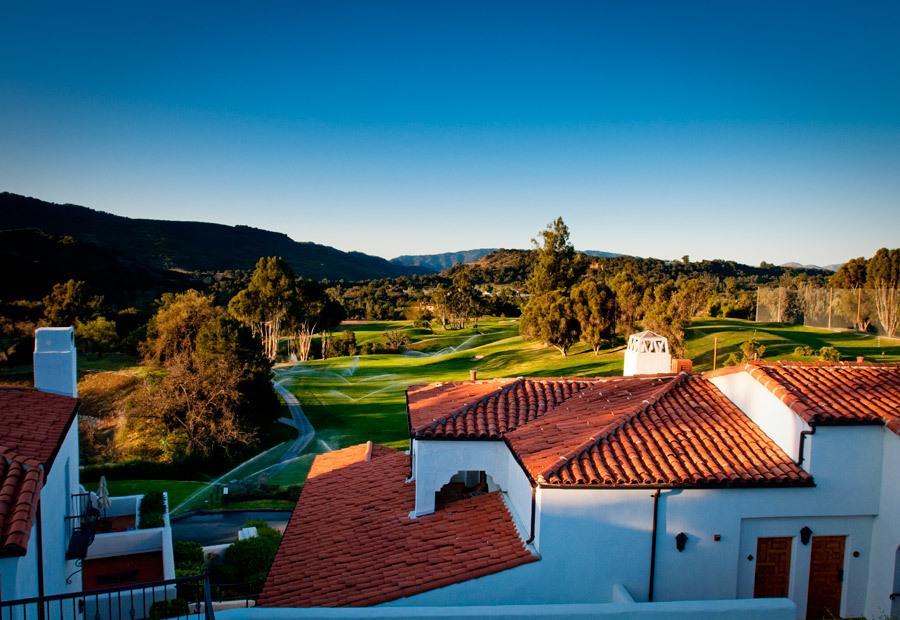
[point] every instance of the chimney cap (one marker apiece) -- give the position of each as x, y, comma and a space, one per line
54, 339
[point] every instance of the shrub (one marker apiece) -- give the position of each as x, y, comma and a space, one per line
188, 558
753, 349
153, 505
172, 608
829, 354
804, 350
396, 340
733, 359
248, 561
137, 469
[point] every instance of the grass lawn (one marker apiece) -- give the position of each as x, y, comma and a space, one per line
178, 490
350, 401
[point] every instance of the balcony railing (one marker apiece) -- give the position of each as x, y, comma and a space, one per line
81, 525
184, 597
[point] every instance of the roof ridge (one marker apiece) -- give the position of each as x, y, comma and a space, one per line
453, 415
624, 419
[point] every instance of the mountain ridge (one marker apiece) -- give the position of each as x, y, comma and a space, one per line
191, 246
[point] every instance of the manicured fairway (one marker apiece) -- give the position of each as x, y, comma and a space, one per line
350, 400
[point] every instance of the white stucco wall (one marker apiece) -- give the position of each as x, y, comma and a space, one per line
437, 461
775, 418
884, 569
56, 503
18, 576
589, 540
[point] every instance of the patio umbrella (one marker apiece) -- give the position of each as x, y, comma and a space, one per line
103, 502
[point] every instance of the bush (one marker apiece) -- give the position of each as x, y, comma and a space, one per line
246, 491
248, 561
137, 470
189, 558
733, 359
173, 608
396, 340
829, 354
753, 349
153, 505
804, 350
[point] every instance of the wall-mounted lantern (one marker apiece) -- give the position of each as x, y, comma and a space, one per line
805, 535
681, 541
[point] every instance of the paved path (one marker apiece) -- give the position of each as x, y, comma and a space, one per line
305, 430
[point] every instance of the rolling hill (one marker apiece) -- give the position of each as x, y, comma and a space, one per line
190, 246
443, 261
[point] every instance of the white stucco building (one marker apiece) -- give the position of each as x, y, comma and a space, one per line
53, 540
764, 482
39, 439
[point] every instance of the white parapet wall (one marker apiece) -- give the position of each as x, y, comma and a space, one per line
738, 609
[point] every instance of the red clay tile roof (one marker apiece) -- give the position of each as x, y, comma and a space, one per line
833, 393
20, 488
32, 426
34, 423
350, 541
484, 409
668, 430
663, 431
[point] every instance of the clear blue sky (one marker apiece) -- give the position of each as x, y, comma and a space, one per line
745, 130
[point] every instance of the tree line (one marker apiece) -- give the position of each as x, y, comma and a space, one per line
570, 299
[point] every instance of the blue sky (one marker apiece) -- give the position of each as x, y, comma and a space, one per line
743, 130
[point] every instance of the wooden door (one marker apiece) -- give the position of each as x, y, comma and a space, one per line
826, 577
773, 567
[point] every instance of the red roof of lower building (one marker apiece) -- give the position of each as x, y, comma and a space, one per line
833, 393
351, 542
33, 425
666, 430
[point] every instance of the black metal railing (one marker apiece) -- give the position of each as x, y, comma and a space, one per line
235, 594
81, 525
184, 597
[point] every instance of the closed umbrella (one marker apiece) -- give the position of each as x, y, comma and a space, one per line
103, 502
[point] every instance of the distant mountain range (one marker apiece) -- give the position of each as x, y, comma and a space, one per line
445, 260
833, 267
190, 246
442, 261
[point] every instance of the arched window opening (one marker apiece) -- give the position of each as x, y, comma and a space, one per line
462, 485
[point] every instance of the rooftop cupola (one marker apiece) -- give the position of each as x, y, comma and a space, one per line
647, 354
55, 361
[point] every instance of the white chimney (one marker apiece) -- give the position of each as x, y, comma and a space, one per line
55, 361
647, 354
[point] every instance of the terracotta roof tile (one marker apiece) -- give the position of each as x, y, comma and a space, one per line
834, 393
665, 430
350, 541
484, 409
32, 426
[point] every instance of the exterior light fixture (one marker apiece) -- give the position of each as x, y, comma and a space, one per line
681, 541
805, 535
